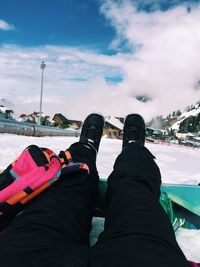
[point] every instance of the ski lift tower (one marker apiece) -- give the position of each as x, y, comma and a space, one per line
42, 66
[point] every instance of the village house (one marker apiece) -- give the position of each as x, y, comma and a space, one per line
34, 118
121, 119
74, 124
5, 113
113, 127
61, 121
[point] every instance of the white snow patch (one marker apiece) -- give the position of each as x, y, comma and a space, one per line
3, 109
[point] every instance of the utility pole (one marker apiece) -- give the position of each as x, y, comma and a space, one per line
42, 66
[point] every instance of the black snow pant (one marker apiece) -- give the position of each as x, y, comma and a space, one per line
53, 230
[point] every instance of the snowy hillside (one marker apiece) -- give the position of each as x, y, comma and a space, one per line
177, 165
193, 112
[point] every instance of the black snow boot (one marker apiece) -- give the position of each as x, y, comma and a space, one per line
92, 131
134, 130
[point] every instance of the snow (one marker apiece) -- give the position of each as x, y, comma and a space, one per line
19, 119
177, 164
3, 109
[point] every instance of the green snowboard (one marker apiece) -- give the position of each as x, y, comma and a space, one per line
180, 202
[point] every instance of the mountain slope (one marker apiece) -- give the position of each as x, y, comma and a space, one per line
185, 115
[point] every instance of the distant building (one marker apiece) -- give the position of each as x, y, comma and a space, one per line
149, 131
113, 127
74, 124
60, 120
5, 113
156, 133
34, 118
121, 119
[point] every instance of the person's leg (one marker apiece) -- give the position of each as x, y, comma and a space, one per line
53, 230
137, 230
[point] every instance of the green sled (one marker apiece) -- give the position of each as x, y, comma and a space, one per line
180, 202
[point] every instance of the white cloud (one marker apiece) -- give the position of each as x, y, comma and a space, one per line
6, 26
162, 62
165, 64
73, 79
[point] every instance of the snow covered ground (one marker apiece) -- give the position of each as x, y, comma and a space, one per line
177, 165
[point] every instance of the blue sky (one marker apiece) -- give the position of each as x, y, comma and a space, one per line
100, 55
56, 22
66, 22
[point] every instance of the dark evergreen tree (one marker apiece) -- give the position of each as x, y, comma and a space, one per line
171, 132
178, 113
188, 108
190, 124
